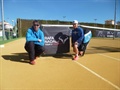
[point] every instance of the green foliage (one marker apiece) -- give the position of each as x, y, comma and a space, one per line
6, 41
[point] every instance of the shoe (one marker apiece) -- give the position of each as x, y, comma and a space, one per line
76, 58
32, 62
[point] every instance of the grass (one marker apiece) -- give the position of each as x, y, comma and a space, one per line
6, 41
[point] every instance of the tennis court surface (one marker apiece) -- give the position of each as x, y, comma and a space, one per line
99, 69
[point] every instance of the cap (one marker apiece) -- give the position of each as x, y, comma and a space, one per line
75, 22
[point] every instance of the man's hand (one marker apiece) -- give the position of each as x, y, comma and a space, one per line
76, 43
39, 40
73, 44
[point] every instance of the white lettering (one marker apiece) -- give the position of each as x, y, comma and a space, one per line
50, 41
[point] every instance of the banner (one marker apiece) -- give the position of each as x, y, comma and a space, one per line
57, 39
109, 34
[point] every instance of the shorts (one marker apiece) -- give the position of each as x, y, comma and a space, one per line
82, 47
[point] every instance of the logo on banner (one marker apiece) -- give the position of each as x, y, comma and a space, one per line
63, 40
49, 40
110, 33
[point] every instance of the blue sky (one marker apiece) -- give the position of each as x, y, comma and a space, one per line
81, 10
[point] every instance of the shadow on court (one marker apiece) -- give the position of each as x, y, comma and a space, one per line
102, 49
62, 56
23, 57
17, 57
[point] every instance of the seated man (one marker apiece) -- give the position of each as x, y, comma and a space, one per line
86, 40
34, 42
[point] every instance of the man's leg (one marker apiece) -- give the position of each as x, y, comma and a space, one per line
38, 50
75, 48
29, 46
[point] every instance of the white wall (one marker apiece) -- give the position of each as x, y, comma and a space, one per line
0, 33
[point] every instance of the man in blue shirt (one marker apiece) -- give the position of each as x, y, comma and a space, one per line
34, 42
77, 38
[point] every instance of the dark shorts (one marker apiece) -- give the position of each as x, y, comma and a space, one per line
82, 47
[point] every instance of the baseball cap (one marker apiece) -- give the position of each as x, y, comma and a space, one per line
75, 22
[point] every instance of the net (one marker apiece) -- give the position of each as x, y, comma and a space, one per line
96, 31
103, 32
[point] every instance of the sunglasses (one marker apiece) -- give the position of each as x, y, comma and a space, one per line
36, 25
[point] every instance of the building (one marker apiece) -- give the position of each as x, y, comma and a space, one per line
6, 26
109, 22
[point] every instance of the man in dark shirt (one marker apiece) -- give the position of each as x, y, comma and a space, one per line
77, 38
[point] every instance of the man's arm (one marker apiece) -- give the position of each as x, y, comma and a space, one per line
42, 37
81, 36
30, 37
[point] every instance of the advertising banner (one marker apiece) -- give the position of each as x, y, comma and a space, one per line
108, 34
57, 39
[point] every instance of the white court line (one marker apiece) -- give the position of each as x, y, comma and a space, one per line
98, 75
1, 46
109, 57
